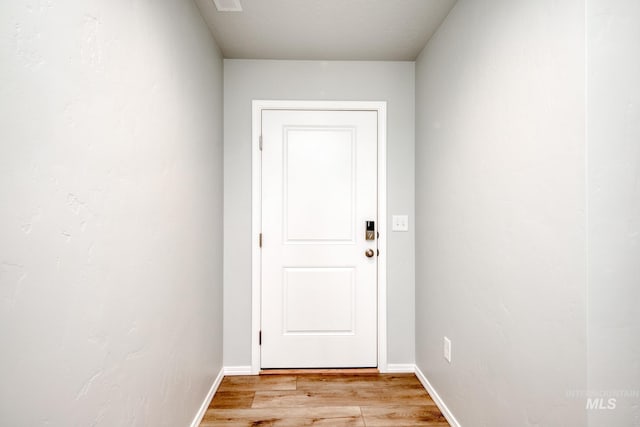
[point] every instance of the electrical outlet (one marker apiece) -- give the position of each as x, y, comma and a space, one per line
447, 349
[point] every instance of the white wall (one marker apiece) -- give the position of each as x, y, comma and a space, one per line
111, 215
246, 80
614, 208
500, 207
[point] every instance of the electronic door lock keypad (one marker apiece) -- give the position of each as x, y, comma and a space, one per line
370, 233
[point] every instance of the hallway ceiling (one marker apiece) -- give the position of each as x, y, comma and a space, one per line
386, 30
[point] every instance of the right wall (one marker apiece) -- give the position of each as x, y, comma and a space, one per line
501, 227
613, 153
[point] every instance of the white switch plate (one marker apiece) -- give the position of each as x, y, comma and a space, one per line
400, 222
447, 349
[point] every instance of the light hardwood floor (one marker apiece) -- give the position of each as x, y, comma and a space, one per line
334, 400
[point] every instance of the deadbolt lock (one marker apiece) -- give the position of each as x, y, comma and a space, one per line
370, 233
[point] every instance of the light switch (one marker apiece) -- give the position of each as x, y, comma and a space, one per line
400, 222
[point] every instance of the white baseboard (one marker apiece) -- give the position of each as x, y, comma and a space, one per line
237, 370
400, 368
437, 399
207, 400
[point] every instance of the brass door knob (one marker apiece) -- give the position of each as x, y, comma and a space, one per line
369, 253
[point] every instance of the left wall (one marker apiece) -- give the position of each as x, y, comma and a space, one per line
111, 212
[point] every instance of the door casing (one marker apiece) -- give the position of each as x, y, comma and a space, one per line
256, 211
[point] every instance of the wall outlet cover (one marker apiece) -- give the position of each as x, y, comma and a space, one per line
447, 349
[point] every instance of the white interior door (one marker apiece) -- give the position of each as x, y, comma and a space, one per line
319, 188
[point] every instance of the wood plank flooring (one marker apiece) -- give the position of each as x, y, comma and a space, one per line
336, 400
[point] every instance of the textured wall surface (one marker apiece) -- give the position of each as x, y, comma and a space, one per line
500, 208
317, 80
614, 210
111, 212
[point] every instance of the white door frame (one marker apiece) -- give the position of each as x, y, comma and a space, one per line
256, 204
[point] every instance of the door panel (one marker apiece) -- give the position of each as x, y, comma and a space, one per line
319, 300
319, 290
319, 209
